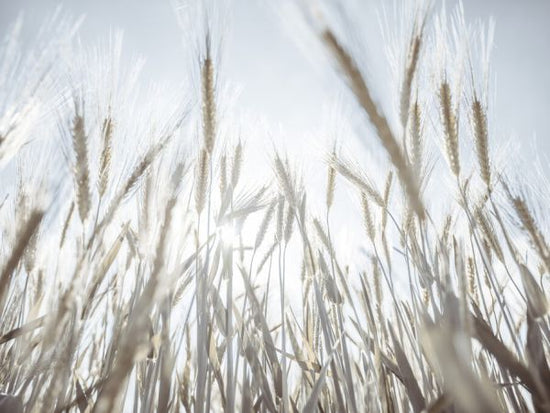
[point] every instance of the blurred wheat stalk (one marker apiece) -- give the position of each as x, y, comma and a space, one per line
156, 279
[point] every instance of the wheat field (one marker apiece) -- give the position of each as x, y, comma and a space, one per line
147, 265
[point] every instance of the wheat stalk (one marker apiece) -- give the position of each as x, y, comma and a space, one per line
384, 133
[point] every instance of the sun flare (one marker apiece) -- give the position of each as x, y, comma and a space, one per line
228, 234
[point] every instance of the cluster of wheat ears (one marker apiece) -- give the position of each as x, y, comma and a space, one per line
140, 273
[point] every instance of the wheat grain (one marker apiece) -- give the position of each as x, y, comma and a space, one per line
416, 141
81, 168
367, 217
410, 70
479, 120
202, 180
105, 159
208, 99
450, 127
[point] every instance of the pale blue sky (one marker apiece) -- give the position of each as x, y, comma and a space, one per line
279, 83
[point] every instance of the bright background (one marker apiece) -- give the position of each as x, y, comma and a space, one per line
284, 86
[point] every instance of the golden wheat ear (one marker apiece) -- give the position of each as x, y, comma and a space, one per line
479, 124
106, 154
449, 121
81, 167
208, 83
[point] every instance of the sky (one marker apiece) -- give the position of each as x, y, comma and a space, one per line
277, 80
